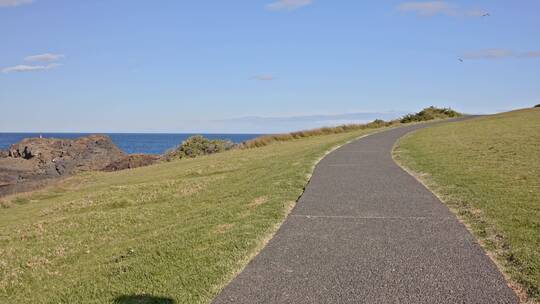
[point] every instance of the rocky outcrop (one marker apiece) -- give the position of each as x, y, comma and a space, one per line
67, 155
36, 160
132, 161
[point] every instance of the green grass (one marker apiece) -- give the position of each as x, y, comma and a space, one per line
175, 231
488, 171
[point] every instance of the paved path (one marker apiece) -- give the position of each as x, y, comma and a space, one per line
365, 231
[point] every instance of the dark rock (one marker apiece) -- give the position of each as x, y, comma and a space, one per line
132, 161
25, 153
34, 160
86, 153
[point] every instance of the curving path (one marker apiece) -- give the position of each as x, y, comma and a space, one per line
365, 231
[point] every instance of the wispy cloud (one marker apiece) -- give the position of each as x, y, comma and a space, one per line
322, 118
288, 5
266, 77
260, 124
492, 54
425, 8
532, 54
432, 8
476, 12
13, 3
47, 57
22, 68
489, 54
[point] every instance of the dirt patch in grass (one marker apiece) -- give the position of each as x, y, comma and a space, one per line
259, 201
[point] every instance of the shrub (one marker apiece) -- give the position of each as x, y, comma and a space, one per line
537, 106
198, 145
430, 114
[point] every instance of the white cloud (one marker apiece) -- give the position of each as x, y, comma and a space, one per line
288, 4
22, 68
489, 54
432, 8
425, 8
264, 77
48, 57
13, 3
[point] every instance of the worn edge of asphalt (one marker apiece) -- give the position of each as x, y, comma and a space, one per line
289, 207
424, 179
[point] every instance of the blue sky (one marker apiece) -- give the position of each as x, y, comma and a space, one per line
223, 66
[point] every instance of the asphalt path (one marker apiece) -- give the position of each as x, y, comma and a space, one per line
365, 231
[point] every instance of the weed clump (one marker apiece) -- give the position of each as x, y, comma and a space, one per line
198, 145
430, 114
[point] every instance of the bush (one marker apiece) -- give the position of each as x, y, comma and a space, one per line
198, 145
430, 114
537, 106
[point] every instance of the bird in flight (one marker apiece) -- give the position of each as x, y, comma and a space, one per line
460, 59
486, 15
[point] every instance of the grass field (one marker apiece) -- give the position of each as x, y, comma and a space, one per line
488, 171
175, 232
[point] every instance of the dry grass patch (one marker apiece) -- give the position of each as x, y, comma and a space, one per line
259, 201
224, 228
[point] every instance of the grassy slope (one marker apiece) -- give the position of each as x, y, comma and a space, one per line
179, 230
488, 171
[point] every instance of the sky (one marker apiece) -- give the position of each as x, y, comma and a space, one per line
255, 66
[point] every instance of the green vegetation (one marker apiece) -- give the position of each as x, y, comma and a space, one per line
264, 140
198, 145
430, 114
176, 230
426, 114
488, 171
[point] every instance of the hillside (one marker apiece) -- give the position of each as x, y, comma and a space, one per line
179, 230
488, 171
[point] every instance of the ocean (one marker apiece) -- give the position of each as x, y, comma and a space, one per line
130, 142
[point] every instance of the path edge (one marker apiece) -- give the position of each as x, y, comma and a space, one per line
290, 206
431, 186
